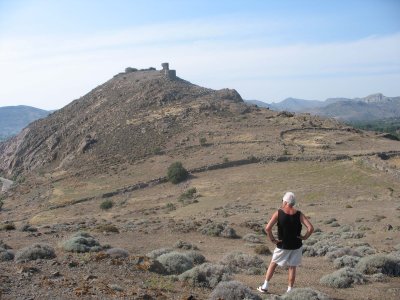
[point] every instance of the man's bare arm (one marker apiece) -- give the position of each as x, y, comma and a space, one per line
307, 223
268, 228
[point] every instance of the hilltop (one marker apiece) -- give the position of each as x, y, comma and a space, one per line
98, 165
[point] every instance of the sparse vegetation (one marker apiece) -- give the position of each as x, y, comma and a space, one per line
117, 253
36, 251
107, 228
5, 253
203, 141
262, 250
218, 229
238, 262
175, 262
304, 293
106, 204
233, 290
346, 261
82, 242
7, 226
379, 263
185, 245
177, 173
206, 275
343, 278
158, 252
252, 238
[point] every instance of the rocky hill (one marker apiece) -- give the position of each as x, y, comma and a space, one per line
138, 114
14, 118
91, 215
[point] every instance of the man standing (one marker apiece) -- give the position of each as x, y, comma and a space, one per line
288, 251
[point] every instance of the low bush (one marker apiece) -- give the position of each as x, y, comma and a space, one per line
107, 228
196, 257
346, 261
238, 262
106, 204
365, 250
262, 250
185, 245
35, 251
341, 252
304, 293
233, 290
252, 238
158, 252
176, 173
342, 278
175, 262
189, 196
82, 242
28, 228
206, 275
7, 226
385, 264
117, 253
5, 254
218, 229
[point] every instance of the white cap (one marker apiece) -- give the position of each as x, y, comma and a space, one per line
289, 198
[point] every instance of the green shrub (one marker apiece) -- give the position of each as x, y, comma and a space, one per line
252, 238
202, 141
196, 257
218, 229
206, 275
170, 206
233, 290
384, 264
185, 245
5, 254
346, 261
36, 251
1, 204
188, 194
175, 262
106, 204
237, 262
342, 278
177, 173
82, 242
158, 252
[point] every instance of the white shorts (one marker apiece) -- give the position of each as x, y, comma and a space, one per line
291, 258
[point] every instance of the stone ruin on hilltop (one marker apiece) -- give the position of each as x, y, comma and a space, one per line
171, 74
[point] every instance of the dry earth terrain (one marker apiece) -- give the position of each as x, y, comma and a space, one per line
241, 160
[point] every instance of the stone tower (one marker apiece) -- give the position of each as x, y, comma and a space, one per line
170, 74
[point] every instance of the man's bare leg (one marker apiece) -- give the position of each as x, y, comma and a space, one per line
292, 277
270, 272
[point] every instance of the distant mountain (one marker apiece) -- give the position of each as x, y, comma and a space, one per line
258, 103
297, 105
373, 107
15, 118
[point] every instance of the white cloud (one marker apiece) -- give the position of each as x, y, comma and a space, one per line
49, 72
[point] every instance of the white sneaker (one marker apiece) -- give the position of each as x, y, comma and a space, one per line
261, 290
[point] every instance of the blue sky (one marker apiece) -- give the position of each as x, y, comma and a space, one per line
52, 52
